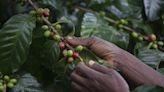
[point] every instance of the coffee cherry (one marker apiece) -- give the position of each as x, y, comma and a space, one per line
123, 21
102, 13
140, 38
62, 45
69, 53
32, 12
57, 27
70, 59
46, 9
160, 43
6, 78
10, 85
76, 55
155, 46
13, 81
45, 27
46, 14
120, 26
47, 33
79, 48
152, 37
1, 88
65, 53
135, 34
57, 37
40, 10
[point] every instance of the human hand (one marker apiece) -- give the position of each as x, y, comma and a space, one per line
96, 78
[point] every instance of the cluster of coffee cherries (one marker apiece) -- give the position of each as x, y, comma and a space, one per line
154, 43
137, 36
40, 12
7, 82
121, 23
70, 55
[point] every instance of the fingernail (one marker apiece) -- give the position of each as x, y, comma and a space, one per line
69, 37
91, 62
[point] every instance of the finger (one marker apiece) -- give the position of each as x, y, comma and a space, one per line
86, 71
78, 88
100, 68
79, 41
78, 79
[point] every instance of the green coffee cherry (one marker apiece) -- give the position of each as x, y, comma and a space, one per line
6, 78
32, 12
160, 43
79, 48
155, 46
123, 21
45, 27
13, 81
57, 37
47, 33
69, 53
120, 25
102, 13
1, 88
57, 27
135, 34
10, 85
140, 38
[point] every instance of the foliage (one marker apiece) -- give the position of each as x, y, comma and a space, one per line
37, 60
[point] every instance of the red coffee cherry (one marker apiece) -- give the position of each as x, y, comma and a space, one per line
61, 45
76, 55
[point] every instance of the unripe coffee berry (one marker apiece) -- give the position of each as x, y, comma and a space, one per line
57, 37
155, 46
13, 81
57, 27
79, 48
160, 43
45, 27
135, 34
140, 38
70, 59
47, 33
152, 37
120, 26
1, 88
6, 77
76, 55
62, 45
10, 85
69, 53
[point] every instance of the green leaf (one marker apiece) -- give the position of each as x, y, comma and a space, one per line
151, 57
161, 70
54, 3
148, 88
152, 8
27, 83
52, 53
93, 25
15, 39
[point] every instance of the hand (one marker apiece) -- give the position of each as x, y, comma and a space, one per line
97, 78
101, 48
130, 66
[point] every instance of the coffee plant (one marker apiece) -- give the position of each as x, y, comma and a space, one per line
35, 57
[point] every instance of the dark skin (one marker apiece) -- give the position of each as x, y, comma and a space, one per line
96, 78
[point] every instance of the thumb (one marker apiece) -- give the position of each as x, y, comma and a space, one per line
80, 41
